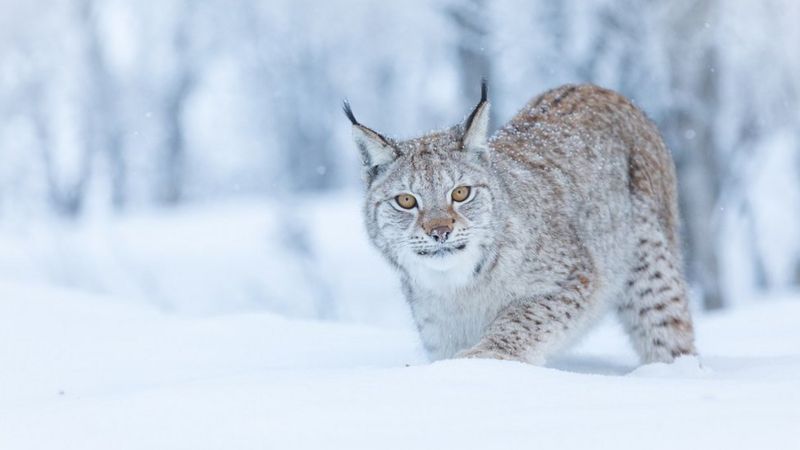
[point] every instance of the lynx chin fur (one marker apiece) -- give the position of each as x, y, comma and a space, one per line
509, 246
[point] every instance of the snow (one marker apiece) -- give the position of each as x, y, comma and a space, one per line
235, 256
95, 361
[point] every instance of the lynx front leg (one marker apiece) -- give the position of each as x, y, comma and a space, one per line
531, 330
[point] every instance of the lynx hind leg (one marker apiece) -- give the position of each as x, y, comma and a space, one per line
654, 309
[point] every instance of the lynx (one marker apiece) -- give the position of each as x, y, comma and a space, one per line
510, 246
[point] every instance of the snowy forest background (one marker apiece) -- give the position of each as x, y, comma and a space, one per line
194, 154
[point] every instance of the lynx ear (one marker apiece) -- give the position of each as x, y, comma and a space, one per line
375, 149
476, 127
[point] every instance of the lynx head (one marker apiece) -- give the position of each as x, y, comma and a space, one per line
430, 200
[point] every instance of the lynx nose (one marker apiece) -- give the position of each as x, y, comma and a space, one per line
440, 233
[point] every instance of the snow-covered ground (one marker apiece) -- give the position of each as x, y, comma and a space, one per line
91, 360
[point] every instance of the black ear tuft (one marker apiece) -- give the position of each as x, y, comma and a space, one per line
484, 99
349, 112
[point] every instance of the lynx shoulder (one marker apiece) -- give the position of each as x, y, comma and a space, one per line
508, 246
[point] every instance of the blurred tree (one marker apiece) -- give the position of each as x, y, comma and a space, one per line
304, 128
65, 190
688, 128
182, 81
102, 129
472, 23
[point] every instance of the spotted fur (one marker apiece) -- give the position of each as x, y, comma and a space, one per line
572, 212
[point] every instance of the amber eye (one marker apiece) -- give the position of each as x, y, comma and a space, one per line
406, 201
460, 193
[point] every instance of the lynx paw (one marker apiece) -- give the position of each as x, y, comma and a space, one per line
484, 353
